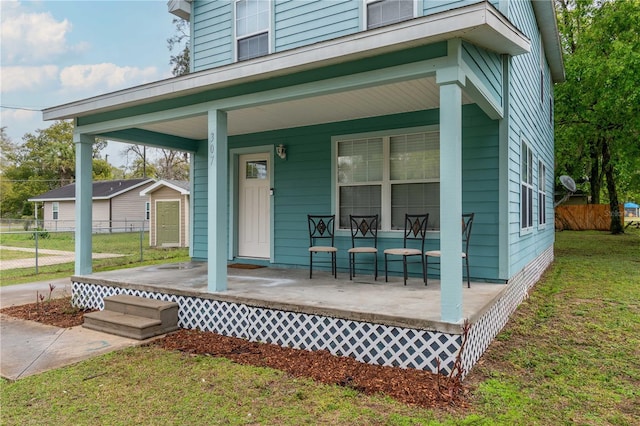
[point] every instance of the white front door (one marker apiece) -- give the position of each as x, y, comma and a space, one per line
254, 206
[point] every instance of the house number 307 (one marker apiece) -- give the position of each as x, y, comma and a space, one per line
212, 148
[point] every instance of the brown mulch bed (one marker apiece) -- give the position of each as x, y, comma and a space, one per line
58, 312
414, 387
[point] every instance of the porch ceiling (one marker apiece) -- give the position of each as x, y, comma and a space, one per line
406, 96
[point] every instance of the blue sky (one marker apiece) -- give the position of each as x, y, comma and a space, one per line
54, 52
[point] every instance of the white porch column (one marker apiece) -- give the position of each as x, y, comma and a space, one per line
84, 200
217, 201
451, 81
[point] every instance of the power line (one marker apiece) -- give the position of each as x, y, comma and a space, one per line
20, 108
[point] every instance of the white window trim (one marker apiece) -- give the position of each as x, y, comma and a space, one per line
234, 31
55, 208
385, 219
147, 210
529, 185
542, 194
364, 12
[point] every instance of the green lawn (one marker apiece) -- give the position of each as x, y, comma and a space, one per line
133, 246
6, 255
570, 355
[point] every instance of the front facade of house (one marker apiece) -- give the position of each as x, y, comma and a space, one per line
388, 107
116, 206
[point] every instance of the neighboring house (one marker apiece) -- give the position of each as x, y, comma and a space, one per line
116, 206
387, 107
168, 213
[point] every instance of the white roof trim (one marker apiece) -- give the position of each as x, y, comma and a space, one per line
479, 23
160, 183
50, 199
546, 17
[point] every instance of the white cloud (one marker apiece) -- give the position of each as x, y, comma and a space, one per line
27, 78
105, 76
29, 38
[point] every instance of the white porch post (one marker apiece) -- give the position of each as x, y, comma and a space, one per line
217, 205
450, 81
84, 195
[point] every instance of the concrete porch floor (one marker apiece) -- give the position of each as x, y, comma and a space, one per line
363, 299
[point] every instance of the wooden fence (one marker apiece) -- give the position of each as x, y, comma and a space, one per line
585, 216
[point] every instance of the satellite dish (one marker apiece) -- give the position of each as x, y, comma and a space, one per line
570, 186
568, 183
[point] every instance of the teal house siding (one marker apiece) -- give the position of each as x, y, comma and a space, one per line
199, 203
486, 65
303, 184
480, 164
529, 120
300, 23
212, 43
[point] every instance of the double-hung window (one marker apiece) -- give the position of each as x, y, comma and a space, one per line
542, 195
252, 28
526, 187
55, 210
147, 210
386, 12
389, 176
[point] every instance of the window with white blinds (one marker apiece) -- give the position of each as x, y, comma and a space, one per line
386, 12
389, 176
252, 28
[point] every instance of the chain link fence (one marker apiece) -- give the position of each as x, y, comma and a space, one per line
29, 248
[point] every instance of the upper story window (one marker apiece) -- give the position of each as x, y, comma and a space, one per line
389, 176
526, 187
55, 210
252, 28
386, 12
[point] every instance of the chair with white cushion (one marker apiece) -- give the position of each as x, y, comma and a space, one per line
415, 229
364, 239
321, 239
467, 221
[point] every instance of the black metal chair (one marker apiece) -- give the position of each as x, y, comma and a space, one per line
364, 230
321, 228
467, 221
415, 229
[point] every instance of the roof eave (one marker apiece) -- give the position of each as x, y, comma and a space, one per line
479, 23
548, 24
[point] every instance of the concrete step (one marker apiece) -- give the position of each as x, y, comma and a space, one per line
131, 326
134, 317
141, 306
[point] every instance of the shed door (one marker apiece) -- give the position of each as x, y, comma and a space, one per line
168, 223
254, 206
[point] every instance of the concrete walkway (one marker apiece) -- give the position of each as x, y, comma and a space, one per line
45, 257
28, 347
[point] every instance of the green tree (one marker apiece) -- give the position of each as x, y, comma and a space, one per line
44, 161
180, 42
597, 108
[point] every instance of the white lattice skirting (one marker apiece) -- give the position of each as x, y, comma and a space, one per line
489, 325
366, 342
